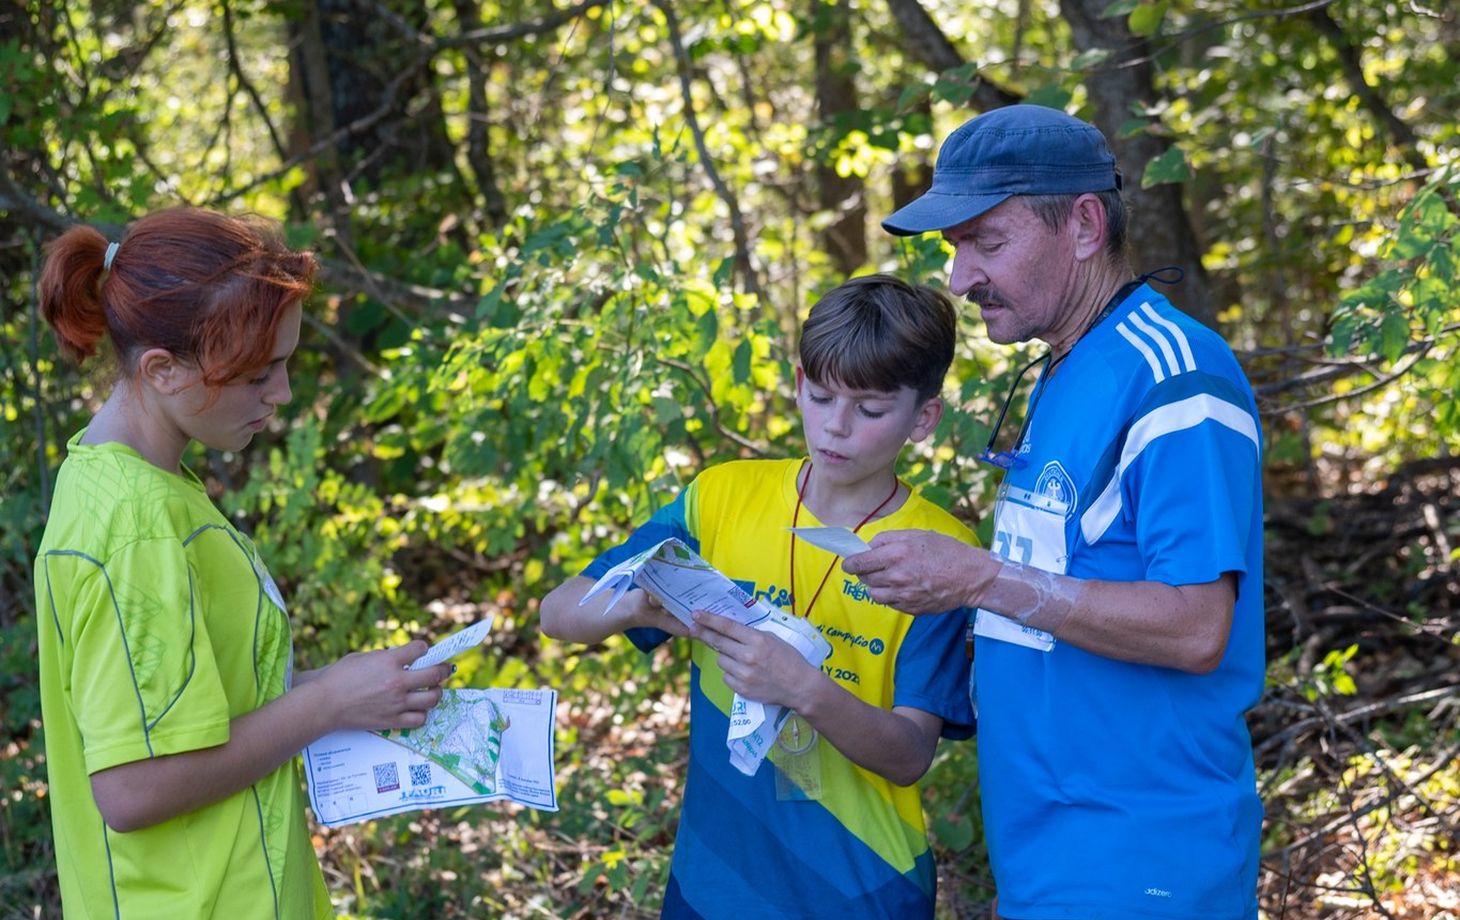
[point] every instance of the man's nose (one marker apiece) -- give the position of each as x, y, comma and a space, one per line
966, 273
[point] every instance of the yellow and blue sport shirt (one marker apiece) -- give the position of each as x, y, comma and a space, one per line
860, 850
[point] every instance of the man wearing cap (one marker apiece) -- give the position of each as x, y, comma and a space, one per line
1119, 633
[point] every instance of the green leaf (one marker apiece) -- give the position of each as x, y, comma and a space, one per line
912, 96
740, 364
1090, 58
724, 271
1132, 127
1146, 19
1051, 95
1393, 334
1170, 166
945, 90
369, 314
955, 833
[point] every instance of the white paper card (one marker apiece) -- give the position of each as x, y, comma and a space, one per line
837, 540
454, 644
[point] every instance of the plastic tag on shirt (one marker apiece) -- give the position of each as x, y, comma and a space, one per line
798, 762
993, 626
1029, 529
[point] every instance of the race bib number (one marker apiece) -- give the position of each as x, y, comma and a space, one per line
1028, 529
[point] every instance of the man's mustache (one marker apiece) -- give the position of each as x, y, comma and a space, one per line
984, 297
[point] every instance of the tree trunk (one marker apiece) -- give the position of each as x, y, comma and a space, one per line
1160, 230
479, 62
845, 238
362, 73
925, 41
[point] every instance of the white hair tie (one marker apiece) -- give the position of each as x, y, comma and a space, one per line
111, 253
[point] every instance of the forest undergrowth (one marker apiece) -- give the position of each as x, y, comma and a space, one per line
1356, 739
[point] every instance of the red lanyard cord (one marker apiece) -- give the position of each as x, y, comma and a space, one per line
796, 518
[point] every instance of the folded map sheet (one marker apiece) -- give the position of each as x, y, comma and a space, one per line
476, 746
684, 582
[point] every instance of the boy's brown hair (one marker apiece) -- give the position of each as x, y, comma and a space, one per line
880, 333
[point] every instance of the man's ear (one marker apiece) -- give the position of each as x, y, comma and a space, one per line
1088, 220
930, 413
162, 371
800, 379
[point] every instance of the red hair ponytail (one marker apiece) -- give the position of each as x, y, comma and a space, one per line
208, 287
70, 296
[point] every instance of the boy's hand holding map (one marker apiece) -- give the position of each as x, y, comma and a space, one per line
684, 582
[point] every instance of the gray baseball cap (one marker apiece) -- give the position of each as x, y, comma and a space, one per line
1014, 150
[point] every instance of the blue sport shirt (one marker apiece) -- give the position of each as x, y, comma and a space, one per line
1113, 789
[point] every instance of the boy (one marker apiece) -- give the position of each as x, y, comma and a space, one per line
833, 825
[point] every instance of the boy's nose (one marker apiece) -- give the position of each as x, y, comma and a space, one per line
838, 420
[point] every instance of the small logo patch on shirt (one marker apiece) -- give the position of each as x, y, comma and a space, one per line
1055, 484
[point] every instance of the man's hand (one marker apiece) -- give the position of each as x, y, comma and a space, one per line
757, 665
919, 571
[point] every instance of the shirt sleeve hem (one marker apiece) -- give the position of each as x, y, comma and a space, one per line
956, 726
175, 742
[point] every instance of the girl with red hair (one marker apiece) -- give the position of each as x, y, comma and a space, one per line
172, 713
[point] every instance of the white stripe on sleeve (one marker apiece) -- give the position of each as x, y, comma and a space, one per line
1176, 334
1172, 417
1144, 349
1159, 339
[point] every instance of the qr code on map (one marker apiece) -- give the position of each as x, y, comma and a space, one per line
387, 778
420, 774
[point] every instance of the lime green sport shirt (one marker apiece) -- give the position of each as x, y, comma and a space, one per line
156, 629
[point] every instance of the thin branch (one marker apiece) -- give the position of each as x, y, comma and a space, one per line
1334, 370
523, 29
434, 44
429, 46
1378, 384
1358, 713
1441, 763
236, 67
1371, 98
935, 50
358, 126
1175, 39
345, 348
704, 386
35, 365
748, 270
